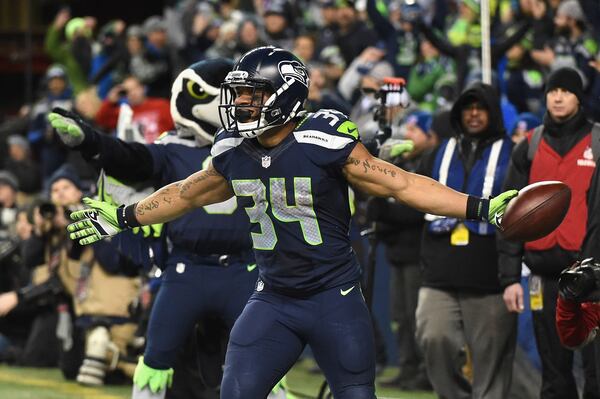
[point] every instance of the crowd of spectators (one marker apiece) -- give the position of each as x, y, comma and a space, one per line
118, 78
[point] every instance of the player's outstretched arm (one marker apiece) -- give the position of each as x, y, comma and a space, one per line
199, 189
103, 220
380, 178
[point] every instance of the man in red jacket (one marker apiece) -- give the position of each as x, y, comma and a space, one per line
151, 114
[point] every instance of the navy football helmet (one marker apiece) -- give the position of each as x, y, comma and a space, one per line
195, 99
271, 74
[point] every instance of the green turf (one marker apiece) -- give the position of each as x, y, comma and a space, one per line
28, 383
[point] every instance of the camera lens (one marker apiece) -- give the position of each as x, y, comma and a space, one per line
47, 210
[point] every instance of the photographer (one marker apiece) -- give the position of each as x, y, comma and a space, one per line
82, 295
578, 307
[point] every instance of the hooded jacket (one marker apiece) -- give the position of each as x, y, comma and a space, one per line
472, 267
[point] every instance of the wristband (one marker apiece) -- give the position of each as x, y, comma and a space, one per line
477, 208
126, 217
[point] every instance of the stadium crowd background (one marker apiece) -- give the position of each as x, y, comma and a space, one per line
94, 65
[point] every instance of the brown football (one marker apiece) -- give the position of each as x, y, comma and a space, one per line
536, 211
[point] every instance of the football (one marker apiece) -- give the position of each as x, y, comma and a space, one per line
536, 211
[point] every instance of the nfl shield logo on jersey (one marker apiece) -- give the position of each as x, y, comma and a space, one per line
266, 161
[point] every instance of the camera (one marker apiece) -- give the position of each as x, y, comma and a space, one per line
47, 210
393, 97
581, 282
122, 93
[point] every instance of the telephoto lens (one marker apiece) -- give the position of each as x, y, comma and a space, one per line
47, 210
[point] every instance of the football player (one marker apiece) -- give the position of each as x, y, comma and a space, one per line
290, 172
210, 269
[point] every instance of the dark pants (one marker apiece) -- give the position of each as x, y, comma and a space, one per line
42, 346
404, 288
189, 294
199, 363
558, 381
273, 330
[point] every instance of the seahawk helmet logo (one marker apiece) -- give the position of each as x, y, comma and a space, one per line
293, 70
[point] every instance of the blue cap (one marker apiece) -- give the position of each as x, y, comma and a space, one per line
421, 119
526, 121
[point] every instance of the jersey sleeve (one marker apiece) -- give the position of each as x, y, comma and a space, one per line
222, 151
328, 137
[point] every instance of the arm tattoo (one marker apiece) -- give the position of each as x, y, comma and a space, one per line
201, 176
141, 209
369, 167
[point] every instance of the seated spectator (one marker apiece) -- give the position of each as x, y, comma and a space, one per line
151, 115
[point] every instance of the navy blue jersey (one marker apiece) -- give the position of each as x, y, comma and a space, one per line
215, 229
297, 200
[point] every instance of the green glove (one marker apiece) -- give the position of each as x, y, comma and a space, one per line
498, 205
401, 148
95, 223
67, 125
152, 231
156, 380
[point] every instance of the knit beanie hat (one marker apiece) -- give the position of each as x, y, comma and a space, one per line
68, 172
567, 79
572, 9
8, 179
420, 118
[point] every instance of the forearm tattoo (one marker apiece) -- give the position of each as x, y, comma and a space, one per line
165, 195
185, 187
370, 167
141, 209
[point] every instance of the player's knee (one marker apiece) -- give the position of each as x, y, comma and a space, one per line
356, 348
242, 386
356, 392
